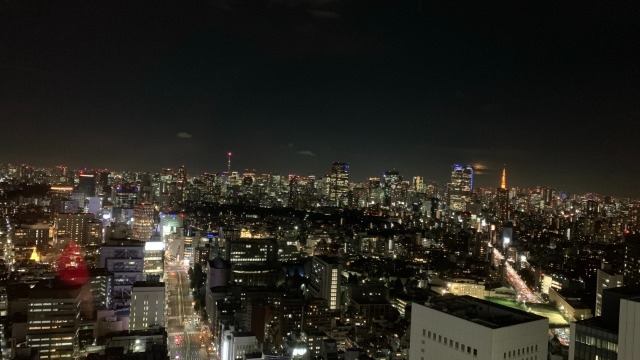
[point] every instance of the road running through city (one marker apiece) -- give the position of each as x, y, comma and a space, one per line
524, 292
188, 339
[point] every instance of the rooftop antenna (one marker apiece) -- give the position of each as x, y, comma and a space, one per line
229, 163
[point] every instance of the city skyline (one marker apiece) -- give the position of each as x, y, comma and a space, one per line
442, 184
547, 89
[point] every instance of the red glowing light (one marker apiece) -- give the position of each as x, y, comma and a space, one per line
71, 266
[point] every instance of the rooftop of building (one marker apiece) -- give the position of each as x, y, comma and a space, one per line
148, 284
242, 334
627, 292
219, 263
159, 331
370, 301
54, 289
328, 259
482, 312
597, 323
123, 243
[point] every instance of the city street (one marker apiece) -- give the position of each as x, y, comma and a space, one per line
524, 292
187, 339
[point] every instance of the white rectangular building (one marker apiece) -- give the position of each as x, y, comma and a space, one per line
628, 331
463, 327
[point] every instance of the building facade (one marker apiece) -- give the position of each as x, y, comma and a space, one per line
463, 327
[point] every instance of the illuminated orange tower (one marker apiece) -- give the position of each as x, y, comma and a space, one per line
502, 198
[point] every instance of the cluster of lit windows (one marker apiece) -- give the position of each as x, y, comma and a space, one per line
596, 342
450, 342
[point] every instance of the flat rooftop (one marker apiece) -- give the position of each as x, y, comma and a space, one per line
482, 312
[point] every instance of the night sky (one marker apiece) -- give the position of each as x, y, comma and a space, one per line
549, 88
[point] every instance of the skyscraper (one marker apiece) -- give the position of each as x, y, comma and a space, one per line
418, 184
391, 182
181, 181
460, 187
143, 221
325, 280
339, 182
87, 185
632, 259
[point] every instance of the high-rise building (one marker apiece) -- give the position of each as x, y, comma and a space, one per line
100, 282
605, 280
460, 187
338, 182
124, 195
147, 305
391, 181
462, 327
80, 228
181, 181
54, 310
502, 199
125, 259
154, 259
632, 259
87, 184
615, 334
143, 221
418, 184
325, 280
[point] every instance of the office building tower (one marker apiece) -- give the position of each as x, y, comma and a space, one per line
325, 280
100, 282
502, 199
147, 305
80, 228
615, 334
391, 181
143, 221
632, 259
460, 187
154, 259
338, 183
242, 251
54, 309
290, 317
461, 327
87, 184
124, 195
418, 184
605, 280
125, 259
316, 315
181, 182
